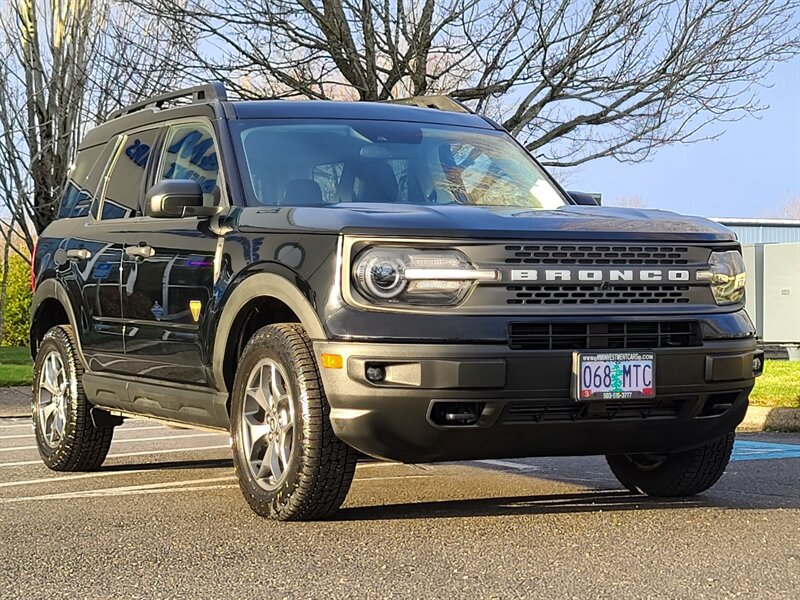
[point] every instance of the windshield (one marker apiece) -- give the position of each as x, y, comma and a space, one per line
302, 163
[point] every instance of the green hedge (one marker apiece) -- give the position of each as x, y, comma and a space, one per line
16, 309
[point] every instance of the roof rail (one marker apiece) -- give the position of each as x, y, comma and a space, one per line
439, 102
201, 93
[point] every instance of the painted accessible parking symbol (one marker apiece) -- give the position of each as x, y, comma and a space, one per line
764, 451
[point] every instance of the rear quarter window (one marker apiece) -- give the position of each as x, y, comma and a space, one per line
76, 198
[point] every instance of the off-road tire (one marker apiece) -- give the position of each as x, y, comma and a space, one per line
321, 467
679, 474
83, 446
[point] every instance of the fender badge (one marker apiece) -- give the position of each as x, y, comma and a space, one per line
195, 306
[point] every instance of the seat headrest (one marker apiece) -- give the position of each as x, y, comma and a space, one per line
302, 191
374, 181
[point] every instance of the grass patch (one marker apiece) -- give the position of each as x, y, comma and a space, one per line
779, 385
16, 367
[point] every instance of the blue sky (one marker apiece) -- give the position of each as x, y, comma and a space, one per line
751, 171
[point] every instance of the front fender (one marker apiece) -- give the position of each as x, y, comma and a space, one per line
259, 285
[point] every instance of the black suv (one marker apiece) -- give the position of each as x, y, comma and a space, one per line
397, 279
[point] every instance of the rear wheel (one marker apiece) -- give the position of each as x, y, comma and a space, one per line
679, 474
65, 433
289, 463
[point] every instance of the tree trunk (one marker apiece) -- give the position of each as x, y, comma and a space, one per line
4, 290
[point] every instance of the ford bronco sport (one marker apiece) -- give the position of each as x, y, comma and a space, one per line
402, 280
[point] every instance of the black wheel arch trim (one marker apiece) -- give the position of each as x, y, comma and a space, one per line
261, 285
52, 289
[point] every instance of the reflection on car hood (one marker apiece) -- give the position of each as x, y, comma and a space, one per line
502, 222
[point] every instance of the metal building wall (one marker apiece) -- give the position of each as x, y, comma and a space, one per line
764, 231
773, 291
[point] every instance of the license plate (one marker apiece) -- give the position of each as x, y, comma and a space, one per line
613, 375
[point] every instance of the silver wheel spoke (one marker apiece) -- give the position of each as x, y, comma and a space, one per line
53, 398
267, 424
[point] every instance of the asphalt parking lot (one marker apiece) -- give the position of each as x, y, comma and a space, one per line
164, 518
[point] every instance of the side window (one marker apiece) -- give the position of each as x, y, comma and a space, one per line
328, 177
83, 180
124, 183
190, 153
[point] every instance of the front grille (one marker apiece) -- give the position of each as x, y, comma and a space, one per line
604, 336
587, 294
574, 254
549, 411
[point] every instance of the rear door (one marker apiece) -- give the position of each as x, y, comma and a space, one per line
168, 267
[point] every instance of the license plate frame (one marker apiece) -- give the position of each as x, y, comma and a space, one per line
583, 393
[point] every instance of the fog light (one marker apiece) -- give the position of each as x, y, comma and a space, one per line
758, 364
375, 373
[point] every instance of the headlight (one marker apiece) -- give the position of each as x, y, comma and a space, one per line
393, 275
727, 276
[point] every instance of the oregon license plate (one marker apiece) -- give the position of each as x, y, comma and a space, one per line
613, 375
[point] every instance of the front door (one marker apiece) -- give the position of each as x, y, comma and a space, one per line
168, 269
95, 250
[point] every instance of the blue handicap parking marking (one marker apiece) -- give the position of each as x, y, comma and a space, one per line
764, 451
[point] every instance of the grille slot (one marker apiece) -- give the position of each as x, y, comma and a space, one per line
581, 254
587, 294
604, 336
553, 411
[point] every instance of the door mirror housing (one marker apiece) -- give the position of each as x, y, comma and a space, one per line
177, 198
584, 199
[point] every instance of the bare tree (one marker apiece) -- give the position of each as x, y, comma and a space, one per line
630, 202
791, 209
574, 80
63, 66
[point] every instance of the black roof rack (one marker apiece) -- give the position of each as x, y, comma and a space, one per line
439, 102
201, 93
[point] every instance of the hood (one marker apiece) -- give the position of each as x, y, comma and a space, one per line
487, 222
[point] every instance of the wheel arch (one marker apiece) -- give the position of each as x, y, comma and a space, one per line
51, 306
268, 298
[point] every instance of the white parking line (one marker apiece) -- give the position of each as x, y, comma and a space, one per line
126, 441
59, 479
117, 491
163, 487
393, 477
126, 454
507, 464
19, 437
116, 433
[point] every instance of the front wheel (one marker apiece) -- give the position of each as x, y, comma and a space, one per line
290, 464
678, 474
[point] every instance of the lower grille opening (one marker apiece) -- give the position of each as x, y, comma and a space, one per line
547, 411
455, 414
718, 404
639, 335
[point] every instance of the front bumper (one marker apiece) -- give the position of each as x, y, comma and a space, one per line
524, 399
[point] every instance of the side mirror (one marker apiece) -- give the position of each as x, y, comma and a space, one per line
176, 198
584, 199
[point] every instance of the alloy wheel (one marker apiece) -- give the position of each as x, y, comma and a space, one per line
268, 424
53, 398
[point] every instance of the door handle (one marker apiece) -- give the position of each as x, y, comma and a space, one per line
140, 251
79, 254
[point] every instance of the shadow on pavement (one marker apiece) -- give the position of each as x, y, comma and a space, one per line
175, 465
589, 501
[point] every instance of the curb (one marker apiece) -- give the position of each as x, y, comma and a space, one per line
765, 418
15, 401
